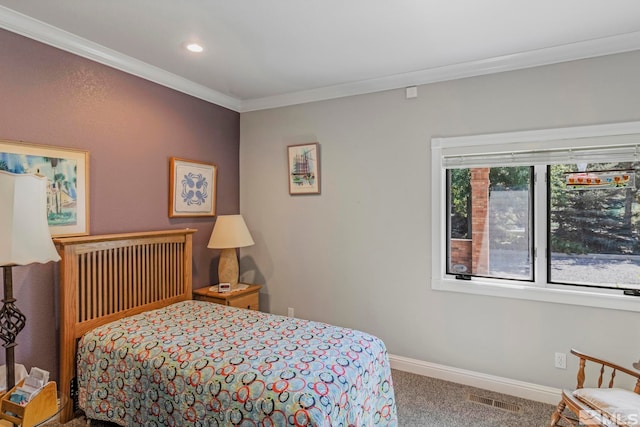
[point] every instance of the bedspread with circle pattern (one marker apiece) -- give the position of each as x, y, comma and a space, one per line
201, 364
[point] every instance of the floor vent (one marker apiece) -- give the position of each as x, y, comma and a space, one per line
511, 407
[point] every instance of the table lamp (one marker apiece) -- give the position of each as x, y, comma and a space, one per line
229, 232
24, 239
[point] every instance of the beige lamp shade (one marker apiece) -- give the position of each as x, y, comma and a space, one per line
229, 232
24, 231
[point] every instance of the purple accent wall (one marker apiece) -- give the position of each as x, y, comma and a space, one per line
131, 127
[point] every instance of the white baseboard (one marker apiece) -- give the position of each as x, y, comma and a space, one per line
521, 389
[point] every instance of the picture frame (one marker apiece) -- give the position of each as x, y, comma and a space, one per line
192, 188
67, 172
304, 168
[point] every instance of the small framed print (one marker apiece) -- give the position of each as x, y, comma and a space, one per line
224, 287
304, 168
192, 188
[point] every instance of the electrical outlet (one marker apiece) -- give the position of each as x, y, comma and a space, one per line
561, 361
290, 312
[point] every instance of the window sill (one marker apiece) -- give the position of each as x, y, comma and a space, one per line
599, 298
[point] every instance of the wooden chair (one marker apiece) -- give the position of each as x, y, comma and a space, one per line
600, 406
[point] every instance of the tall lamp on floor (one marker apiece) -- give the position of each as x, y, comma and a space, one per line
24, 239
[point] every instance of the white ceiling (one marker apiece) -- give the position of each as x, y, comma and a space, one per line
265, 53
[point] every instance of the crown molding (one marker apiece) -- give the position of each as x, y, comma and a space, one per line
53, 36
535, 58
45, 33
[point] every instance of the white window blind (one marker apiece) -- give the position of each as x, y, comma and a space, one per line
546, 156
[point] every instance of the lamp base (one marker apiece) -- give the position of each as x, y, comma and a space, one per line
228, 267
12, 321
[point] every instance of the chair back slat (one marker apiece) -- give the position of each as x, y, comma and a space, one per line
581, 373
613, 376
601, 375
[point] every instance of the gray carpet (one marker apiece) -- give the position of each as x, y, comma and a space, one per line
428, 402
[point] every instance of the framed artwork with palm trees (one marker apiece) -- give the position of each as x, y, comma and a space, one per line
192, 188
67, 172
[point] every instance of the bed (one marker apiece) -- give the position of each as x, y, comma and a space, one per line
144, 353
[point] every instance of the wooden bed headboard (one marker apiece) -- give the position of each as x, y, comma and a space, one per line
104, 278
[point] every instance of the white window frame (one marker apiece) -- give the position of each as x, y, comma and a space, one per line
524, 145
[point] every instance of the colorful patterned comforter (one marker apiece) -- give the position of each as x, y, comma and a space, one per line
201, 364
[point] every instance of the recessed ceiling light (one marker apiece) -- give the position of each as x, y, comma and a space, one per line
195, 47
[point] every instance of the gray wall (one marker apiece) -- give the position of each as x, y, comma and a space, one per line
131, 127
358, 255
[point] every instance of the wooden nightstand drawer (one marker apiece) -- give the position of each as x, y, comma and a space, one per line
246, 298
251, 301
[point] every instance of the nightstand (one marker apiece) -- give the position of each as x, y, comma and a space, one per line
246, 298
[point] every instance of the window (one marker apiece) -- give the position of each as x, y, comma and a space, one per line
489, 222
594, 224
548, 215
